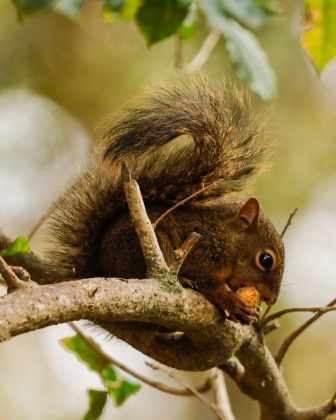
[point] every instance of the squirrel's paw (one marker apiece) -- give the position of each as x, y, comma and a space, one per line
187, 283
243, 312
238, 311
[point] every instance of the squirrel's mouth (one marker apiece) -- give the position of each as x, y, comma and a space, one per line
266, 294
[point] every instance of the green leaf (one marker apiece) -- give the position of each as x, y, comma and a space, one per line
70, 8
121, 390
97, 401
84, 352
27, 7
124, 9
249, 59
19, 246
320, 40
245, 11
118, 389
188, 26
109, 375
271, 7
158, 19
114, 5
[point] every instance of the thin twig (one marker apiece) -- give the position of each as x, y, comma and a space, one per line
234, 369
289, 222
264, 315
9, 276
182, 253
220, 394
185, 200
154, 384
291, 338
203, 54
321, 310
270, 327
38, 225
156, 265
320, 412
190, 388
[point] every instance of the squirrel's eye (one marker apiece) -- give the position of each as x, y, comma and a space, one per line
265, 260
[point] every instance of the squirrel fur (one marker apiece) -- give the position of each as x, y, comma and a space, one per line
179, 139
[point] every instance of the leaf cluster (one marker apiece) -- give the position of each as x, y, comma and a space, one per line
116, 387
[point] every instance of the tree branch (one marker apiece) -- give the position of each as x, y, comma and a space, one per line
182, 392
320, 412
202, 56
294, 335
193, 390
221, 397
209, 341
321, 310
184, 201
289, 222
182, 253
122, 306
12, 280
40, 271
155, 263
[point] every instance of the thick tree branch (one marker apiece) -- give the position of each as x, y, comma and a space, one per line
209, 341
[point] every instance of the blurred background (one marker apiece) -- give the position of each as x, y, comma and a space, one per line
60, 81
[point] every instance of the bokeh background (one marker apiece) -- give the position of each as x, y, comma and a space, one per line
60, 81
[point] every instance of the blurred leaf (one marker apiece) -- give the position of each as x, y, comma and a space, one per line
320, 38
245, 11
117, 388
97, 401
27, 7
158, 19
271, 7
109, 375
124, 9
19, 246
70, 8
121, 390
114, 5
188, 26
249, 59
84, 352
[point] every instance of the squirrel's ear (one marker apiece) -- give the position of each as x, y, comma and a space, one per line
250, 211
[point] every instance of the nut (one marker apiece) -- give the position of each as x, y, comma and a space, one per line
250, 296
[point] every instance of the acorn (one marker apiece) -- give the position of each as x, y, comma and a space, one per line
250, 296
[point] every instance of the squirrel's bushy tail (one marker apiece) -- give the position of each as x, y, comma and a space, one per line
180, 139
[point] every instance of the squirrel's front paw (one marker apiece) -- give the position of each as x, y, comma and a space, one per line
238, 310
243, 312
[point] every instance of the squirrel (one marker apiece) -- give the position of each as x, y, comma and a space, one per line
180, 138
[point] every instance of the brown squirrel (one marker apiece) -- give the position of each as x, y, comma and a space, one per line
180, 139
